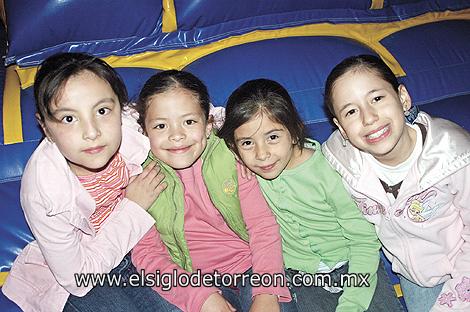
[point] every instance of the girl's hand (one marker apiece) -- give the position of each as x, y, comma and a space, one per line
144, 188
265, 302
217, 303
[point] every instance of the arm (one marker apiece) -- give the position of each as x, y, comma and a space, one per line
67, 250
363, 244
151, 255
455, 293
265, 240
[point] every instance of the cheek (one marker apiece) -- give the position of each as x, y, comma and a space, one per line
247, 157
155, 141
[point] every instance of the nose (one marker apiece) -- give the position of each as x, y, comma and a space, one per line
91, 130
262, 152
369, 116
176, 133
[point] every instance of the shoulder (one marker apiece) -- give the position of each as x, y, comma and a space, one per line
445, 138
342, 156
47, 178
134, 145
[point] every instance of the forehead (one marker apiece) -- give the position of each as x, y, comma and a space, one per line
359, 79
259, 124
174, 100
82, 87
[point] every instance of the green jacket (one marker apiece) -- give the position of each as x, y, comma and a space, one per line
319, 222
220, 177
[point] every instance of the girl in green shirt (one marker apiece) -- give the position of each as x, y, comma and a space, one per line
330, 251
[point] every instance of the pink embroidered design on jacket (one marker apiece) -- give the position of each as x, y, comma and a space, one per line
369, 207
463, 289
447, 299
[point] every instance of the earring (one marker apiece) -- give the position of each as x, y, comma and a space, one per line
343, 141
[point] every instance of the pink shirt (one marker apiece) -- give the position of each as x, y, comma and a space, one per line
217, 246
212, 245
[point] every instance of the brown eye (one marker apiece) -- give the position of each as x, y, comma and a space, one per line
377, 99
350, 112
103, 111
159, 126
68, 119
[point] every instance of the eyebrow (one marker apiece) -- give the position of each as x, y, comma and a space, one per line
183, 116
66, 109
349, 104
266, 133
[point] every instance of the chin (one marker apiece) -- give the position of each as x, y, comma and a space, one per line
180, 164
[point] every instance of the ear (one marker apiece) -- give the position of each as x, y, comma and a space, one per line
341, 130
404, 96
43, 127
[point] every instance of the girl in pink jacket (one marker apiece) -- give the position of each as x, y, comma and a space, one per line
84, 194
411, 180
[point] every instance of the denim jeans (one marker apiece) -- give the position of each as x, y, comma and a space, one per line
240, 297
417, 298
315, 298
117, 299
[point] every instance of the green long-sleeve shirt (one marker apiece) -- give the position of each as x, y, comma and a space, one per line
319, 222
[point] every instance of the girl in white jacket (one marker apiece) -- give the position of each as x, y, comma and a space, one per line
409, 179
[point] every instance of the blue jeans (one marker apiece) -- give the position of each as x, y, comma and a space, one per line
315, 298
417, 298
117, 299
240, 297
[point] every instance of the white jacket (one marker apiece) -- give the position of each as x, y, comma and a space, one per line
425, 233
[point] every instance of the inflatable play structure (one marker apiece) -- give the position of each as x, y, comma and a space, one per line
296, 42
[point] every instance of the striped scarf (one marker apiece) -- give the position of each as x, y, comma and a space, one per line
107, 188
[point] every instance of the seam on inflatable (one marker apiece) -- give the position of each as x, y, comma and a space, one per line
3, 277
376, 4
12, 124
169, 23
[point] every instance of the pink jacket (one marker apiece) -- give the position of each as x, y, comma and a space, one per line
57, 209
426, 231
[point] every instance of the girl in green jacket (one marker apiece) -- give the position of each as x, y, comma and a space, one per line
331, 252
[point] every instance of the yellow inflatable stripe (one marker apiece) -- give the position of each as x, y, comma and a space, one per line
169, 16
12, 127
398, 290
368, 34
3, 277
377, 4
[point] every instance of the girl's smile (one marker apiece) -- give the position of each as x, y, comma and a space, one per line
378, 135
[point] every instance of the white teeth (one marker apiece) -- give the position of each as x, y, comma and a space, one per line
377, 134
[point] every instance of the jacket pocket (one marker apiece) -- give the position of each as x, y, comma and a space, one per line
31, 272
